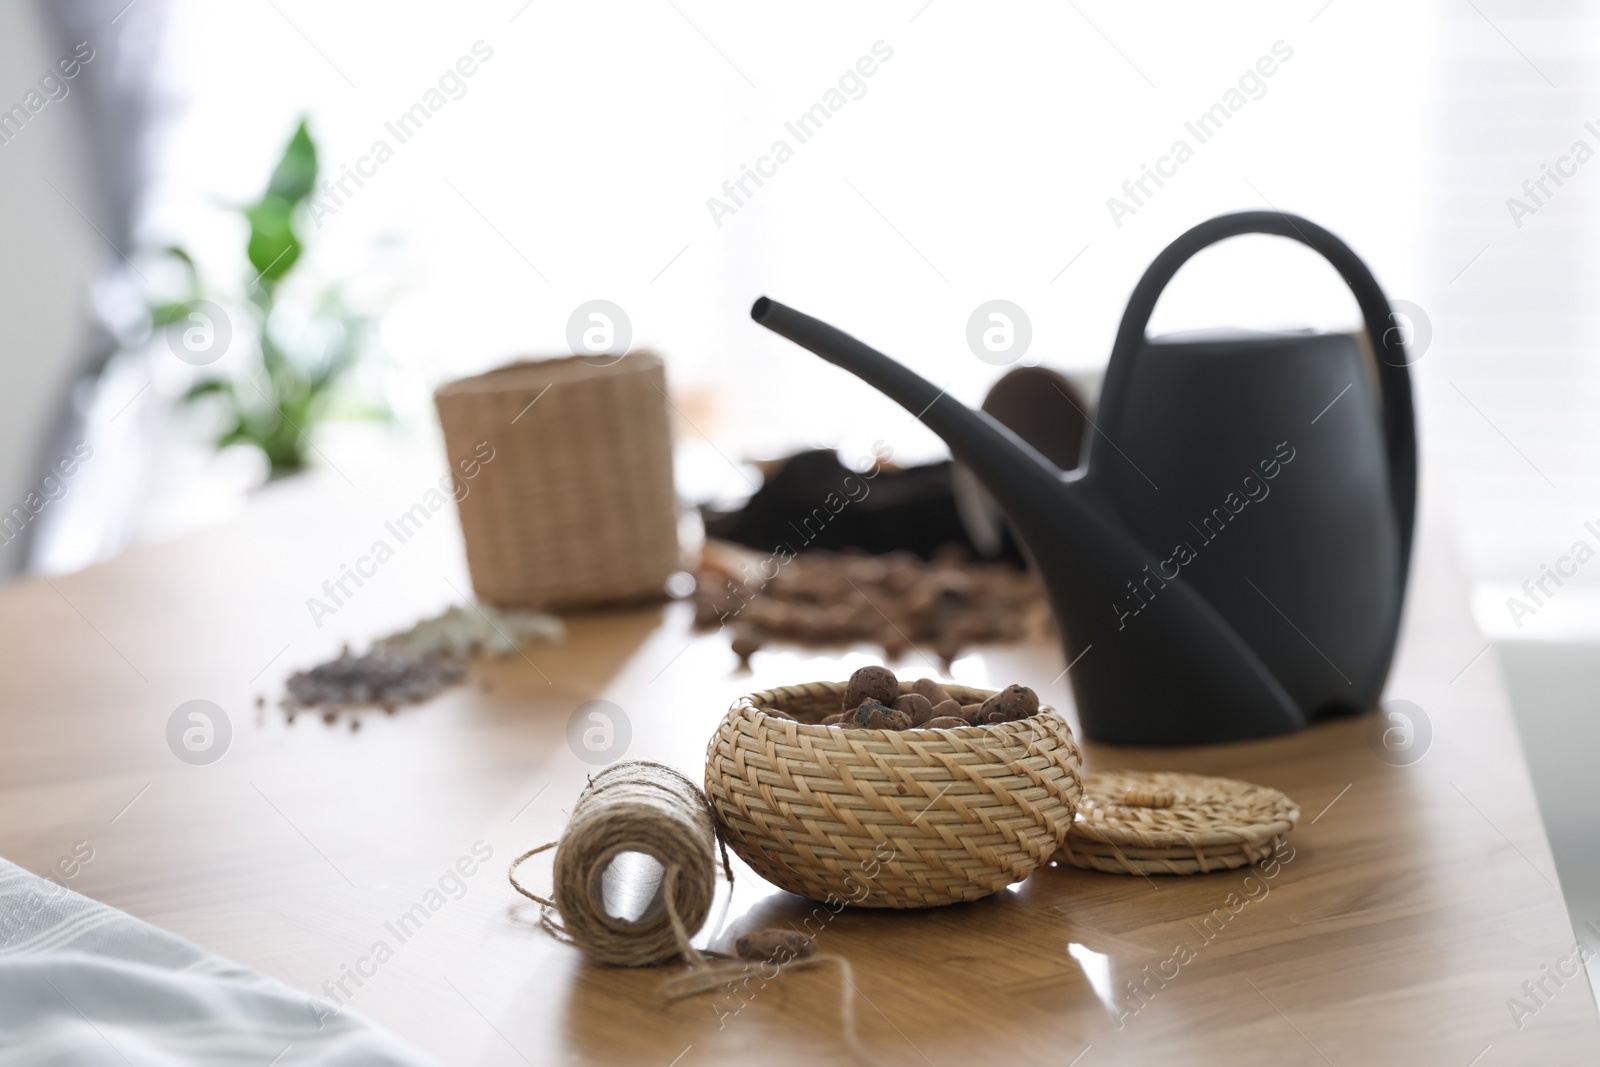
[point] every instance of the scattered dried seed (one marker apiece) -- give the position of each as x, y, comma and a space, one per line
412, 666
463, 631
379, 678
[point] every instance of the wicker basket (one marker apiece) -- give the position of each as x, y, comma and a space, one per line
576, 506
889, 818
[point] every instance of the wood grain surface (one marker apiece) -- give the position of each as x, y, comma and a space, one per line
1415, 903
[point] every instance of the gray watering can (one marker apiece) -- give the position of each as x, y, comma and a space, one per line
1230, 559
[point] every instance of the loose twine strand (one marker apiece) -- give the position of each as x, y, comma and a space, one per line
647, 807
712, 976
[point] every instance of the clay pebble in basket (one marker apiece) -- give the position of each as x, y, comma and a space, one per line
1162, 822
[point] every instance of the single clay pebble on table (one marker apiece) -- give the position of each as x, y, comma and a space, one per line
774, 945
747, 640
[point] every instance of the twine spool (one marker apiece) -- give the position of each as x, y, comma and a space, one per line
642, 807
646, 807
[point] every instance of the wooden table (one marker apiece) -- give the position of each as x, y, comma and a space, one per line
1418, 901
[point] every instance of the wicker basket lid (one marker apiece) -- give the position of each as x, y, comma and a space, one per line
1162, 822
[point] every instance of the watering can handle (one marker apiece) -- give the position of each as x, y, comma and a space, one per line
1388, 348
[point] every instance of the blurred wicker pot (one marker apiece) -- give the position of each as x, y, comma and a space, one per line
576, 507
889, 818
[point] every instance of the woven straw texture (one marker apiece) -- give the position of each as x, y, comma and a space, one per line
889, 818
1160, 822
576, 506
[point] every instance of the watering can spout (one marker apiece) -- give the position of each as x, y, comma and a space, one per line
1013, 471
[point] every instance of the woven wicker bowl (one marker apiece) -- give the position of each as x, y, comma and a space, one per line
889, 818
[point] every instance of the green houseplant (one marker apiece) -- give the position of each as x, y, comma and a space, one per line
292, 380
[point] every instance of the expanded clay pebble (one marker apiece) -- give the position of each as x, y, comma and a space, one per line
866, 708
781, 946
915, 705
747, 641
871, 683
1013, 702
947, 648
872, 715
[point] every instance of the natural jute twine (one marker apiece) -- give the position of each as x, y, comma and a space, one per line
647, 807
716, 975
636, 806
